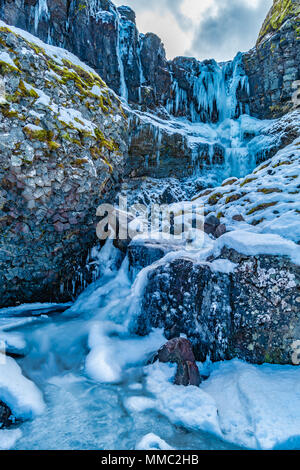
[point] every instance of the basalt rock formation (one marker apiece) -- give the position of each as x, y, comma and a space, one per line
273, 66
135, 65
62, 152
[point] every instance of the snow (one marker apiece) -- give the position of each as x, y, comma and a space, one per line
5, 57
184, 406
57, 54
8, 438
152, 442
255, 407
250, 243
110, 355
74, 118
258, 406
43, 99
223, 266
20, 394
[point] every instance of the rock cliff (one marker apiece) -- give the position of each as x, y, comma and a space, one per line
63, 146
135, 66
273, 66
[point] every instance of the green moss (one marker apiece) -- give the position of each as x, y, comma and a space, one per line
261, 207
41, 135
214, 199
79, 162
53, 145
247, 181
273, 357
6, 68
279, 12
257, 221
261, 168
286, 162
269, 190
232, 198
10, 113
229, 182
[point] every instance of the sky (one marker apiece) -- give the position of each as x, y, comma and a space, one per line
203, 29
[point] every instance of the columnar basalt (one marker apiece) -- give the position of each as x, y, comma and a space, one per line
62, 152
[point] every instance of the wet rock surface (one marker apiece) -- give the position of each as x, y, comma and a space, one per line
180, 352
251, 313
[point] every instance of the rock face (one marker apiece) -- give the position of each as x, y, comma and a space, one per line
251, 313
5, 416
273, 66
62, 152
135, 65
180, 352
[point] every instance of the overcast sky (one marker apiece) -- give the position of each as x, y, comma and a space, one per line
202, 28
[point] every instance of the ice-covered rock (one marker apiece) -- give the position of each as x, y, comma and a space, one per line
236, 305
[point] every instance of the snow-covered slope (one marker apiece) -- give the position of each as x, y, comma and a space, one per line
266, 200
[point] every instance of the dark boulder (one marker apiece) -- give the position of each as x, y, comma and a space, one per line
180, 352
211, 223
220, 230
6, 418
252, 313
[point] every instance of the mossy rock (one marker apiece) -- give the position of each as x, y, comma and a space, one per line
279, 13
215, 198
232, 198
261, 207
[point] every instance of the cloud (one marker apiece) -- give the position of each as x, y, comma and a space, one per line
234, 28
202, 28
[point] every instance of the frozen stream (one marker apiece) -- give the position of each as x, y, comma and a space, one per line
99, 392
81, 412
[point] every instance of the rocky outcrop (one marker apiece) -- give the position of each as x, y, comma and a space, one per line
62, 153
180, 352
250, 311
6, 418
273, 66
135, 65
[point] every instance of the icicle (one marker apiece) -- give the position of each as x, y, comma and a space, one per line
120, 38
41, 10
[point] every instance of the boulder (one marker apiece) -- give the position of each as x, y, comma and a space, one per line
220, 230
6, 418
210, 224
252, 312
180, 352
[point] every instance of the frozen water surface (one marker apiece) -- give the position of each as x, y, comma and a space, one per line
85, 383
